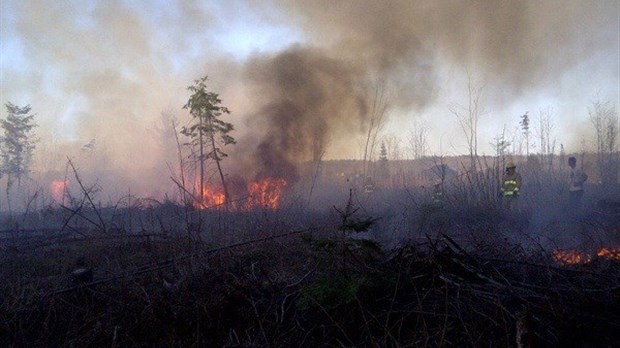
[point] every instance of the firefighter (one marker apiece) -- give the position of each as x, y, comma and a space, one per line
369, 186
438, 194
577, 178
511, 184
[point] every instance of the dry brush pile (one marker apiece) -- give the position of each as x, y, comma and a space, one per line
314, 287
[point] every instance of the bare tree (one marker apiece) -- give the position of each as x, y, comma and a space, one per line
316, 164
376, 122
418, 139
501, 144
395, 154
515, 141
392, 146
161, 131
543, 132
468, 118
604, 118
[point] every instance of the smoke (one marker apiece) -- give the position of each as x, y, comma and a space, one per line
517, 44
302, 98
305, 93
106, 70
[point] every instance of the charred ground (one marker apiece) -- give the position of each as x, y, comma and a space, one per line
386, 268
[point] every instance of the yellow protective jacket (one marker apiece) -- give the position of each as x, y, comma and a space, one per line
511, 184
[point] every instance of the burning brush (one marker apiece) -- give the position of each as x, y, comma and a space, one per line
261, 194
575, 257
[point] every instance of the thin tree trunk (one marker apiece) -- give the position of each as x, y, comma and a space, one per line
183, 189
202, 165
9, 183
368, 136
219, 169
181, 165
315, 176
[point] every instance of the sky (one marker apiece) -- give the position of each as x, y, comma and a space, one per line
299, 77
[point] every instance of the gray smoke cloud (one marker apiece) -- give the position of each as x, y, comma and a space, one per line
115, 67
303, 98
515, 45
519, 44
106, 70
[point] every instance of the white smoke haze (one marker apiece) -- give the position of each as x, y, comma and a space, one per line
298, 78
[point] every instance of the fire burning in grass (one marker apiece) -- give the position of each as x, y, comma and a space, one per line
211, 197
58, 189
571, 257
574, 257
265, 193
610, 254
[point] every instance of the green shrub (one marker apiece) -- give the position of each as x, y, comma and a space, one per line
332, 291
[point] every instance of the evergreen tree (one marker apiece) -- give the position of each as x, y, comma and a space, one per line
383, 153
208, 133
17, 144
384, 169
525, 127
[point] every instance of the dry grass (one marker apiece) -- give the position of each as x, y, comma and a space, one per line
463, 273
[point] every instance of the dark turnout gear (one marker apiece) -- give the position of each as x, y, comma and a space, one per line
511, 186
438, 193
577, 178
369, 186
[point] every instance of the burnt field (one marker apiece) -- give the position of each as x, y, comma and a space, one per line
310, 173
392, 267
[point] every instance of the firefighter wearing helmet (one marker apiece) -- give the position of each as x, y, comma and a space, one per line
511, 185
438, 193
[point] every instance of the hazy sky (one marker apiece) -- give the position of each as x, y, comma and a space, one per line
106, 70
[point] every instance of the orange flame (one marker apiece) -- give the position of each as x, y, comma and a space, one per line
58, 189
571, 257
574, 257
609, 254
211, 197
266, 193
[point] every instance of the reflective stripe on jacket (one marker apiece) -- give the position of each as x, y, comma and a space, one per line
511, 185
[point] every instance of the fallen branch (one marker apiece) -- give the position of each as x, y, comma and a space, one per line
171, 261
